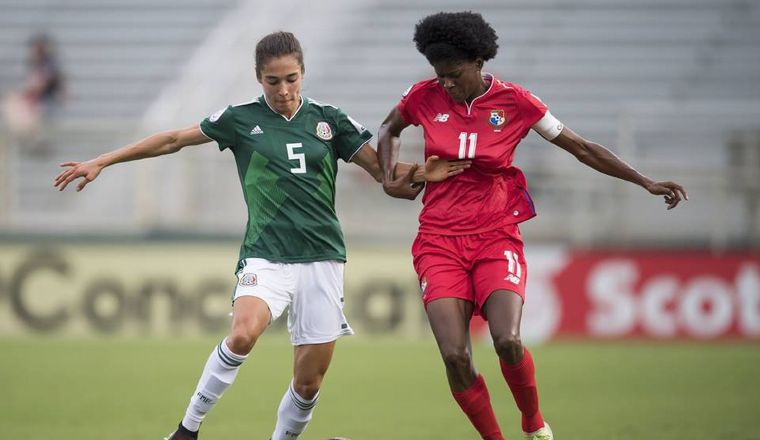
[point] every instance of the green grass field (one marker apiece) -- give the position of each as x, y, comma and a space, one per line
377, 389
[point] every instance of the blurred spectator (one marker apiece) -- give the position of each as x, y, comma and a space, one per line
27, 111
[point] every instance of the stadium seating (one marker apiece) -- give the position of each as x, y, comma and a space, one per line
116, 56
663, 83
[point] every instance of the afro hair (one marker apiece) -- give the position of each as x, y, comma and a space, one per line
455, 36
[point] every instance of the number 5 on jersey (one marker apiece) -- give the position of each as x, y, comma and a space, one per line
463, 147
300, 157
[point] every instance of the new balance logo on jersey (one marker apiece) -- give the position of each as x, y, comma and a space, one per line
257, 130
441, 117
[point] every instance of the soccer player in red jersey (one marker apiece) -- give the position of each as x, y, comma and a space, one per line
468, 253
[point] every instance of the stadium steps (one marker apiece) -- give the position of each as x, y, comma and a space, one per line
116, 57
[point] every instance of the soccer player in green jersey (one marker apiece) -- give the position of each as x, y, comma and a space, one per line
286, 148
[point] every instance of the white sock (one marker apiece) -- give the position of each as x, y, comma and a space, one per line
293, 415
221, 368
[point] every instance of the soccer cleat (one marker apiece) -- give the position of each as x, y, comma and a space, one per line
544, 433
182, 433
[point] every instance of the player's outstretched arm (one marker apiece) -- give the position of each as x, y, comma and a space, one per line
604, 161
366, 158
166, 142
395, 184
435, 169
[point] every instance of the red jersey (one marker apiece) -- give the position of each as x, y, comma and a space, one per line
491, 193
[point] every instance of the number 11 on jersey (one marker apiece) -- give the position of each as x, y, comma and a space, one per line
463, 136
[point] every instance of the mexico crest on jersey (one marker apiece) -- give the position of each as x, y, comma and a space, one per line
324, 131
497, 118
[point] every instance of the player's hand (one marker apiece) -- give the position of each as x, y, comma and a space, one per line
403, 187
437, 169
672, 191
88, 171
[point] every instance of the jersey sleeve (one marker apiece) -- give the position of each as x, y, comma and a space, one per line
408, 107
220, 127
531, 108
349, 137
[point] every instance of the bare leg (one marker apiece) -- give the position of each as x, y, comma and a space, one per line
504, 311
310, 364
450, 320
250, 317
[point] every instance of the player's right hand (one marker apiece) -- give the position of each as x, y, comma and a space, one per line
437, 169
88, 171
403, 187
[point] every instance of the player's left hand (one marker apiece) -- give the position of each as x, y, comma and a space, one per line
437, 169
403, 187
672, 191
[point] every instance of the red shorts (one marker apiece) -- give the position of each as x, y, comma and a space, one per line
470, 267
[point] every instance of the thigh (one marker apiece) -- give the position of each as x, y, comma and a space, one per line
500, 265
272, 283
450, 321
503, 310
316, 312
441, 269
250, 315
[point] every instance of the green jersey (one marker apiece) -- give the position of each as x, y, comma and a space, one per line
287, 168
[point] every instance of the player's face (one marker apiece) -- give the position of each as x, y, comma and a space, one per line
281, 80
461, 79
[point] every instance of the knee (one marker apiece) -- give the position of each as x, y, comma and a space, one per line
457, 359
509, 348
307, 388
241, 340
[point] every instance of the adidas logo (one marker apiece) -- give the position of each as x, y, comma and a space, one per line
257, 130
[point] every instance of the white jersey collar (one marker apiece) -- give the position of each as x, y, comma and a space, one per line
283, 116
485, 76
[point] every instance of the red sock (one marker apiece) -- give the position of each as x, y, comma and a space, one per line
521, 379
476, 404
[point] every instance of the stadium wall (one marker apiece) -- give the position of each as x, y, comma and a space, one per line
184, 289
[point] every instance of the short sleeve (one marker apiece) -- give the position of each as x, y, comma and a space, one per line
349, 137
531, 108
408, 106
220, 127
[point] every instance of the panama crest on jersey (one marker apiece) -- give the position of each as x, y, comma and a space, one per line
497, 118
324, 131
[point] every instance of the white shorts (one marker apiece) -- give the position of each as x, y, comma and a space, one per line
312, 292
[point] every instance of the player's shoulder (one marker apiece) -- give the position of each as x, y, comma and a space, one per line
320, 105
421, 89
502, 87
253, 105
233, 110
323, 109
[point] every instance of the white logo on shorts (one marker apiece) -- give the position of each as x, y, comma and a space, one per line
513, 279
514, 270
248, 279
423, 285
